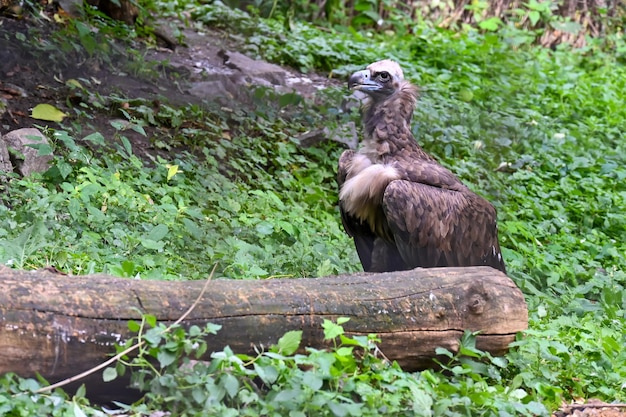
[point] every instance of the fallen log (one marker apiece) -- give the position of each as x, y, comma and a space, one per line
58, 325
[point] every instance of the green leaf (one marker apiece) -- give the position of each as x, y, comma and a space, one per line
194, 331
265, 228
361, 341
500, 362
151, 244
82, 28
47, 112
80, 392
345, 351
490, 24
443, 352
74, 209
199, 395
287, 227
29, 385
158, 232
171, 171
312, 380
289, 99
331, 330
268, 373
127, 145
422, 401
118, 124
153, 336
230, 384
128, 268
257, 271
290, 342
287, 395
65, 169
212, 328
109, 374
43, 149
96, 138
150, 319
534, 17
133, 326
138, 128
341, 409
120, 368
78, 412
74, 84
166, 358
466, 94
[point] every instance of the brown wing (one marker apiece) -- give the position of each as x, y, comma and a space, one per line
375, 253
435, 226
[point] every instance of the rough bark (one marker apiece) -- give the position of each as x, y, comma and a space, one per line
59, 326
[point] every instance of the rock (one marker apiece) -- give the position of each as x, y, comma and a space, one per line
5, 160
257, 71
238, 77
71, 7
353, 101
25, 157
345, 134
220, 89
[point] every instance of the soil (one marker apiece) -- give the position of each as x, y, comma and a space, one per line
591, 408
205, 70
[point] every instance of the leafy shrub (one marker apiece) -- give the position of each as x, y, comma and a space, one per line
257, 215
348, 378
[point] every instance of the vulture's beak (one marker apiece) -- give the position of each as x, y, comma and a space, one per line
361, 81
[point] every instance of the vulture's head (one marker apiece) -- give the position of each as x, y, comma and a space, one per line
379, 80
385, 90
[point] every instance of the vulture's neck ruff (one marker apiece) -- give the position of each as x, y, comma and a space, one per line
395, 111
386, 119
387, 110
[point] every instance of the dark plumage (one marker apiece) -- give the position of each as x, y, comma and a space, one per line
402, 208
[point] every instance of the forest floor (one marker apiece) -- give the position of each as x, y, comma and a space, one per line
205, 68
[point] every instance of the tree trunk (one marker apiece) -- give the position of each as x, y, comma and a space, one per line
59, 326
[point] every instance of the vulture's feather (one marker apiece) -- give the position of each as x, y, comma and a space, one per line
402, 208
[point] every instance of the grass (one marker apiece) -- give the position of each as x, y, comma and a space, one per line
538, 132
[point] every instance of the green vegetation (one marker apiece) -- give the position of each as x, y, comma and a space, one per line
538, 132
256, 204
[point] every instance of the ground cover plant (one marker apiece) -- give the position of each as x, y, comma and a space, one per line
538, 132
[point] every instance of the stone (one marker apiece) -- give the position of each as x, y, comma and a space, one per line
26, 158
345, 134
254, 69
5, 160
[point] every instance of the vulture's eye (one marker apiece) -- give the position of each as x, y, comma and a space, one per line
384, 76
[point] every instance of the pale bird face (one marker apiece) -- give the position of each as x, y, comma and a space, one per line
378, 80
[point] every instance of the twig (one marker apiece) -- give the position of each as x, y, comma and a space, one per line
131, 348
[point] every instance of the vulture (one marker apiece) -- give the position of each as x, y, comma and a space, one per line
400, 206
